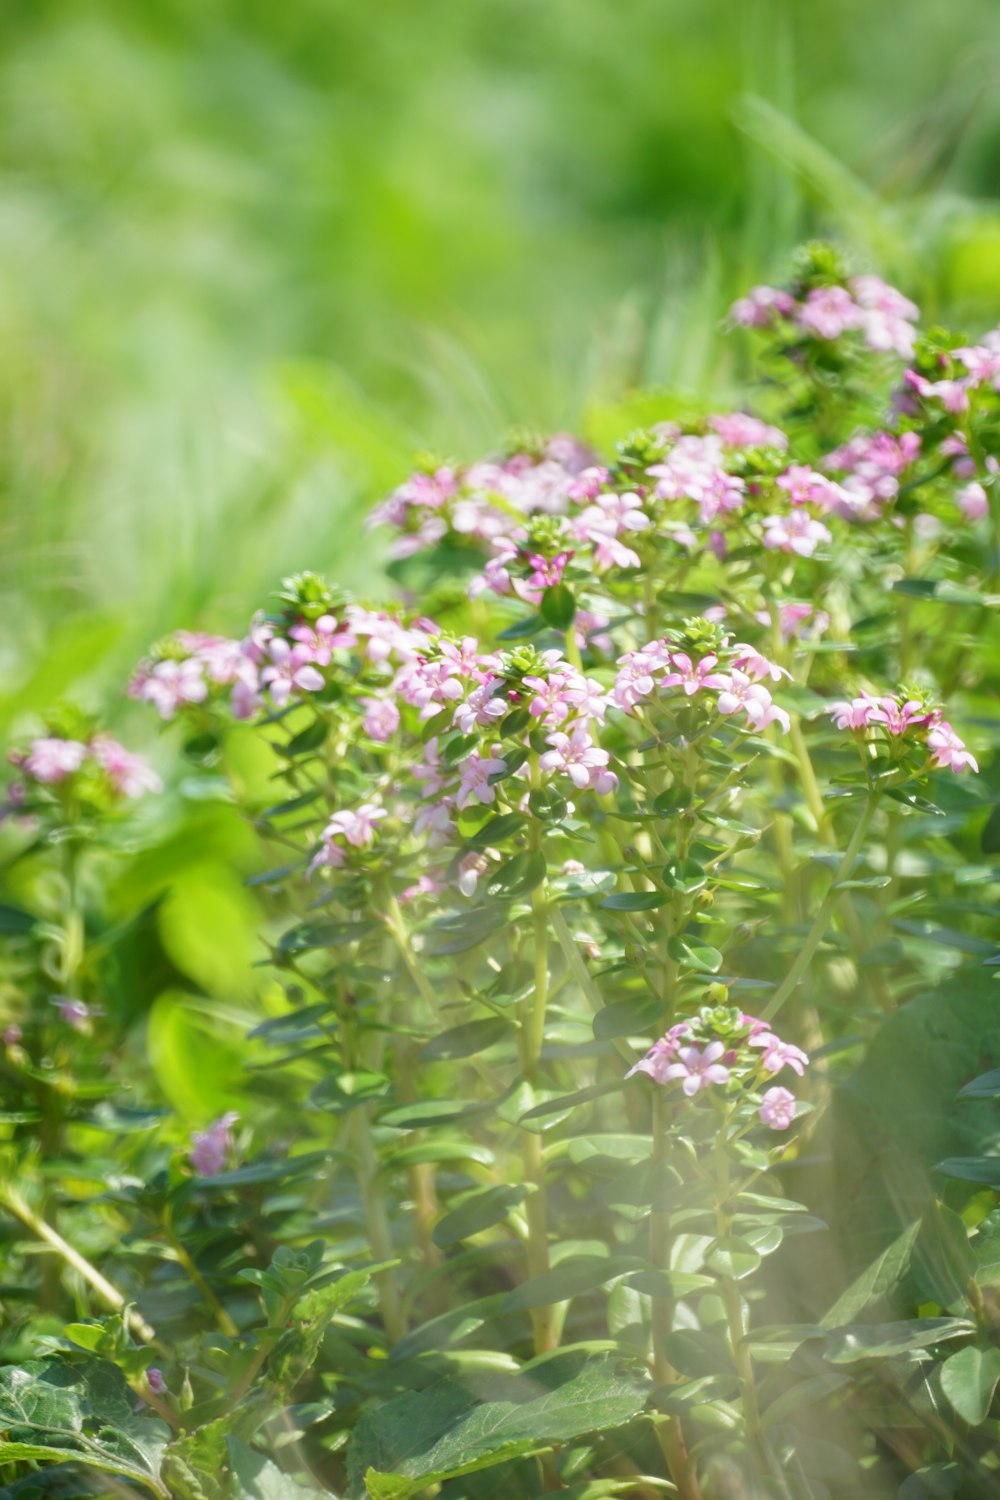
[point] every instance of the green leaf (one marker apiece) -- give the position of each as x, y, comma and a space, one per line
986, 1086
634, 900
497, 830
460, 931
732, 1259
846, 1346
969, 1379
410, 1442
478, 1211
260, 1479
307, 740
985, 1169
566, 1281
14, 921
558, 606
55, 1410
466, 1040
685, 875
518, 876
883, 1275
694, 954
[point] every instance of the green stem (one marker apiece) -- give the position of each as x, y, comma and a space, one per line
545, 1320
736, 1315
43, 1230
184, 1260
818, 929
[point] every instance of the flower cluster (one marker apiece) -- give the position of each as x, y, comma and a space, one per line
826, 309
732, 675
211, 1149
93, 768
725, 1049
905, 716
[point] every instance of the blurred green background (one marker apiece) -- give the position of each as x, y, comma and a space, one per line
254, 256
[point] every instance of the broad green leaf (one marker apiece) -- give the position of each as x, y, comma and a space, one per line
846, 1346
985, 1169
260, 1479
478, 1211
14, 921
694, 954
570, 1279
54, 1410
450, 1428
466, 1040
558, 606
634, 900
969, 1379
460, 931
986, 1086
733, 1259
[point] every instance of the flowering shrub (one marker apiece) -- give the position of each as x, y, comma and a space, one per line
591, 884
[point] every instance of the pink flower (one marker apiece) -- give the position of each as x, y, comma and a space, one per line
210, 1149
953, 394
470, 867
436, 820
797, 532
583, 761
973, 502
948, 750
690, 677
51, 759
75, 1013
433, 771
740, 692
425, 885
356, 826
856, 714
322, 639
737, 430
778, 1054
169, 684
661, 1054
288, 670
474, 780
482, 707
381, 719
897, 717
698, 1069
760, 306
750, 661
778, 1108
547, 572
154, 1378
829, 311
129, 774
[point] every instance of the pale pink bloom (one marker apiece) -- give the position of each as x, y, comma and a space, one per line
433, 771
897, 717
953, 394
211, 1148
828, 311
778, 1054
760, 306
384, 637
792, 616
425, 885
738, 430
948, 750
590, 629
741, 692
757, 666
356, 826
587, 484
587, 696
155, 1380
436, 820
169, 684
381, 718
973, 502
289, 670
76, 1013
778, 1108
887, 316
470, 867
51, 759
661, 1054
11, 1035
982, 362
697, 1070
482, 707
572, 867
796, 532
858, 713
474, 779
805, 487
129, 774
691, 677
549, 699
322, 639
585, 763
872, 292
